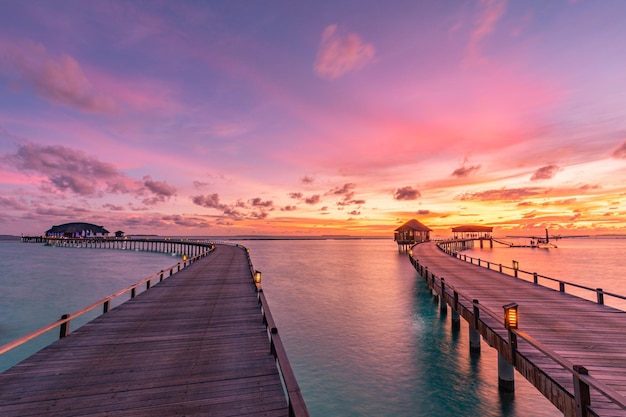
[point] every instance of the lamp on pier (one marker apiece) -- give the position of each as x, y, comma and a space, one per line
257, 277
510, 316
515, 265
410, 252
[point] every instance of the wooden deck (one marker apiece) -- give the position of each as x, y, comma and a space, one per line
195, 344
580, 331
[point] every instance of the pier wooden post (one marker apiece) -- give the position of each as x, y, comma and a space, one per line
443, 307
456, 318
65, 327
473, 330
506, 374
581, 392
600, 294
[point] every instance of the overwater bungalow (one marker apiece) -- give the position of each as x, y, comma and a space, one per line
410, 233
77, 230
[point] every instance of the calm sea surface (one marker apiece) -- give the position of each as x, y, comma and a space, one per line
361, 330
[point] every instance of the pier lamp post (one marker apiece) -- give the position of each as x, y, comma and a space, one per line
510, 316
257, 277
510, 322
410, 252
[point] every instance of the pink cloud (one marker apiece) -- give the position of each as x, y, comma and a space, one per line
56, 78
340, 53
620, 151
491, 11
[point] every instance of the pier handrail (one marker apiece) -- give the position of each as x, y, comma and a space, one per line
515, 272
297, 406
105, 302
567, 365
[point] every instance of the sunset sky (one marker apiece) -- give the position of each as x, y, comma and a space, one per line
279, 117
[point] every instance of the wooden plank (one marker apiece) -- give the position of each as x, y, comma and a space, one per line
579, 330
194, 344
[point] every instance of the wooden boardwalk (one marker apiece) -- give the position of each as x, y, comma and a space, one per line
580, 331
195, 344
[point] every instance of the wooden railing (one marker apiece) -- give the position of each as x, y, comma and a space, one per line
297, 406
528, 276
105, 303
186, 247
474, 313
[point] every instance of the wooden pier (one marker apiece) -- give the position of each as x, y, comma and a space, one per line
572, 350
201, 342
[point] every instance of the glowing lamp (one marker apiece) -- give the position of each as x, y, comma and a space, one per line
411, 252
257, 277
184, 258
515, 265
510, 316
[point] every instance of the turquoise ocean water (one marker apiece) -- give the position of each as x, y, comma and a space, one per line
361, 330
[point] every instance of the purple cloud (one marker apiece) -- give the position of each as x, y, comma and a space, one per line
314, 199
406, 193
545, 173
160, 189
465, 171
67, 169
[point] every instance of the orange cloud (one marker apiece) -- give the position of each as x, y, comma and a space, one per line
504, 194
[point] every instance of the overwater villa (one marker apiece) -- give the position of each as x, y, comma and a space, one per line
77, 230
410, 233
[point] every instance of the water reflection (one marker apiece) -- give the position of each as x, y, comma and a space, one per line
366, 338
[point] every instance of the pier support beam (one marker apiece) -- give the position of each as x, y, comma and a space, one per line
443, 307
506, 375
456, 320
474, 340
473, 329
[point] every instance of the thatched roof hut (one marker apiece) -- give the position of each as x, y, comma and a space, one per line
411, 232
